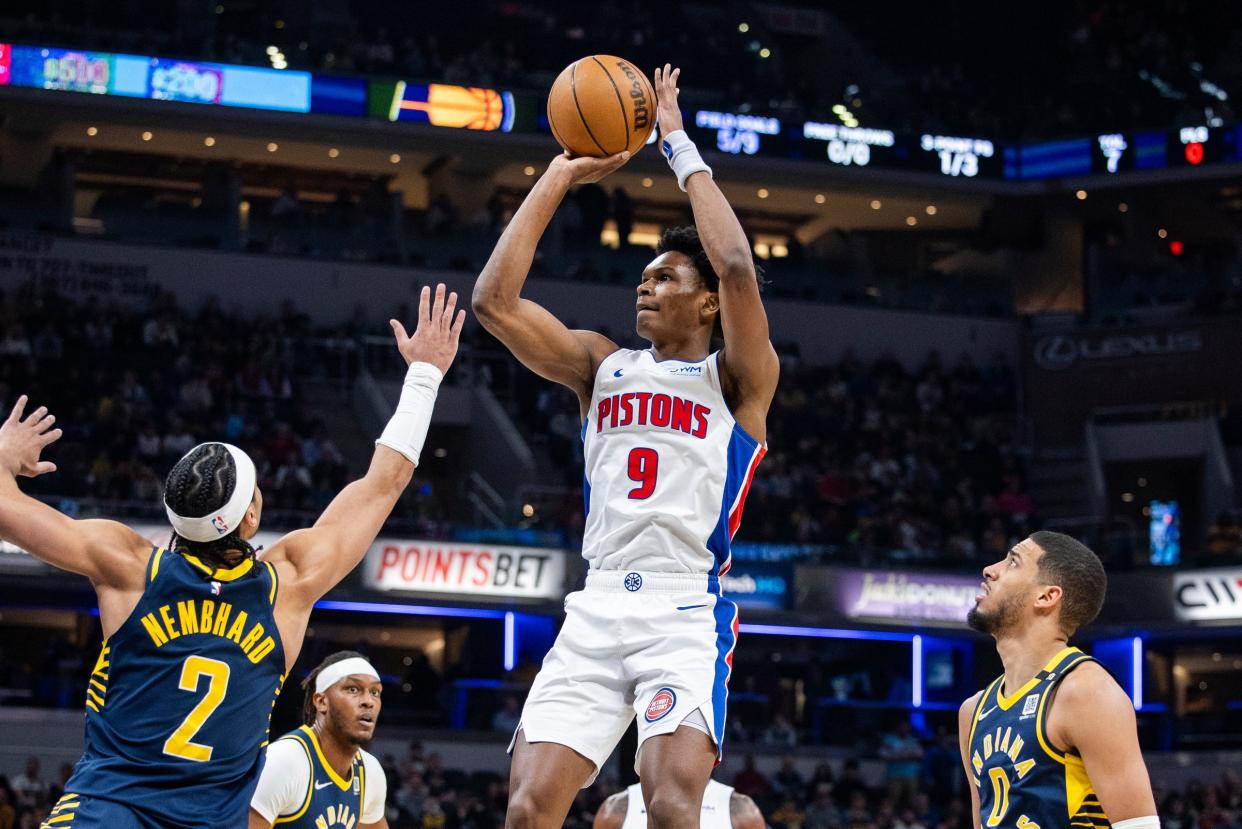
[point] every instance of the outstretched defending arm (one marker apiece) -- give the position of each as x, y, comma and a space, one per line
108, 553
539, 340
748, 360
317, 558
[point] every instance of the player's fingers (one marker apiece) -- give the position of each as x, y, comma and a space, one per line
45, 467
437, 305
398, 331
50, 437
15, 413
424, 304
450, 307
458, 322
35, 416
44, 424
673, 80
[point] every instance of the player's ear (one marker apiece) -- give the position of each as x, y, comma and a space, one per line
1049, 595
711, 304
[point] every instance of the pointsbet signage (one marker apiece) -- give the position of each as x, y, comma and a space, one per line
469, 570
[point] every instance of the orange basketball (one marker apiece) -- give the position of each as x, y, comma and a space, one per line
600, 106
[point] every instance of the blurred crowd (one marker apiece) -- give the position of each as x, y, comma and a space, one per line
1088, 66
134, 391
424, 794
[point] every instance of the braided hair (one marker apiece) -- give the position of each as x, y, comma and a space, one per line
308, 685
202, 482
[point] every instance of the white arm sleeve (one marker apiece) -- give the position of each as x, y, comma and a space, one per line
377, 791
284, 782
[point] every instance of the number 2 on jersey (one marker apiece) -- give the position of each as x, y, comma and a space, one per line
644, 463
195, 668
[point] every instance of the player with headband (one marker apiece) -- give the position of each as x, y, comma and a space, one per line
318, 775
198, 637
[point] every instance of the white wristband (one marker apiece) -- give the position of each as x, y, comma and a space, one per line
683, 157
1148, 822
407, 430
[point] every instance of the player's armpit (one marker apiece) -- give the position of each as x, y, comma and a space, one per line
544, 344
1094, 716
257, 821
382, 823
965, 717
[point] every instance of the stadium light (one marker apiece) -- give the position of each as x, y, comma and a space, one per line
1136, 672
916, 671
510, 642
409, 609
825, 633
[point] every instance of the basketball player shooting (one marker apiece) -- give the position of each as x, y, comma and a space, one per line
198, 637
672, 435
1052, 741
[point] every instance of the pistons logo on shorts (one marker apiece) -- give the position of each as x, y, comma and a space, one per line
660, 704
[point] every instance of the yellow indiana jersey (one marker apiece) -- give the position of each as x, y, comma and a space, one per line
1025, 782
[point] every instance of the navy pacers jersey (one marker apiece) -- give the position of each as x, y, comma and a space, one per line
330, 801
180, 700
1023, 780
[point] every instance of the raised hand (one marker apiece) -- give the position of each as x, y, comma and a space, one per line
582, 169
22, 440
668, 116
439, 328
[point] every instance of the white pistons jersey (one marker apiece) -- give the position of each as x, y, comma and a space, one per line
667, 467
714, 815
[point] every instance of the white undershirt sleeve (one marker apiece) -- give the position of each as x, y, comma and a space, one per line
284, 782
373, 809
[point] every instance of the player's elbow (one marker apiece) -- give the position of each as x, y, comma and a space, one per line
488, 303
736, 266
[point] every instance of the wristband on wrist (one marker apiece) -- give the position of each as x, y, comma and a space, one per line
683, 157
407, 429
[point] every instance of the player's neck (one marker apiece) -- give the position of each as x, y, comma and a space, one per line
688, 350
1025, 652
339, 753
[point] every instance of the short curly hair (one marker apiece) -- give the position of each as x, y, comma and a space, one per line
685, 239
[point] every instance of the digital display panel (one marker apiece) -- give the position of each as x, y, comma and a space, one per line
446, 105
338, 96
1165, 533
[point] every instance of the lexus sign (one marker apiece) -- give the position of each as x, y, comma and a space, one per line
1060, 351
1208, 595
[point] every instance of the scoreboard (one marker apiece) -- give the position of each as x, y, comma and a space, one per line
828, 145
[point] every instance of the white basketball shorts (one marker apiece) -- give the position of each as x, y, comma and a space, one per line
656, 646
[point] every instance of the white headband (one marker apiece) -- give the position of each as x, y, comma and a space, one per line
223, 521
337, 671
